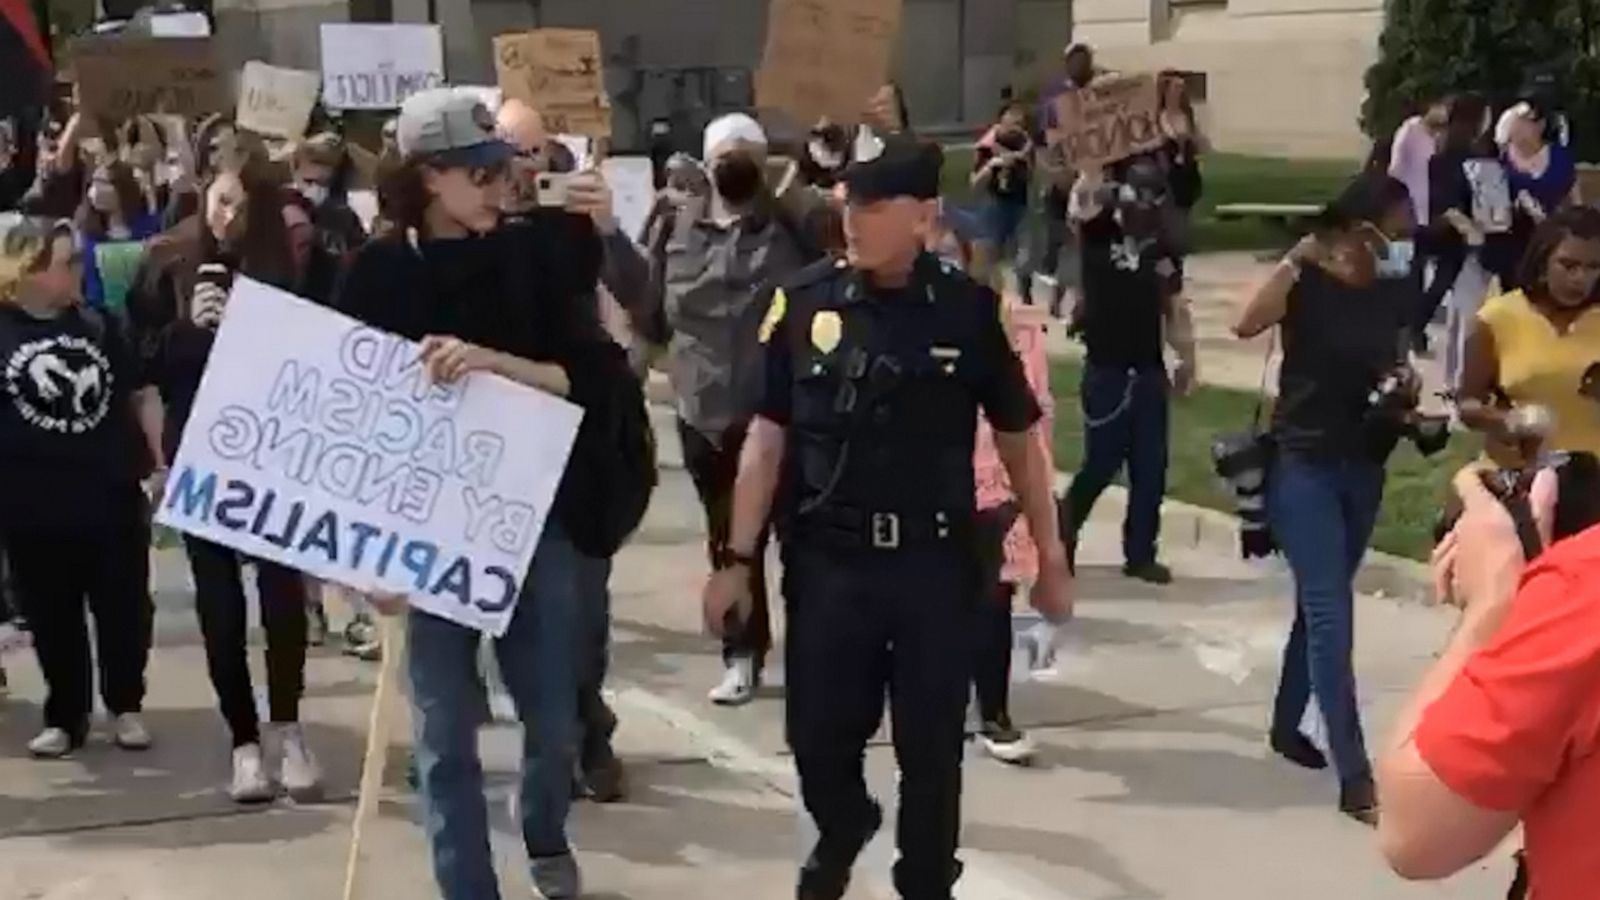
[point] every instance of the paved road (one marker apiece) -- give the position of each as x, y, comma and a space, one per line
1154, 782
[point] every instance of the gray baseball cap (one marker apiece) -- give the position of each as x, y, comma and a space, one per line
451, 128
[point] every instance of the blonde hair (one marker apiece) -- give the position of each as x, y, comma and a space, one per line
25, 246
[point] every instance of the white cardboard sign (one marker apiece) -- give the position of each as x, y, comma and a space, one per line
633, 191
276, 102
379, 66
327, 449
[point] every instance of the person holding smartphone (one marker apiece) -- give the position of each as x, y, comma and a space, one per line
176, 304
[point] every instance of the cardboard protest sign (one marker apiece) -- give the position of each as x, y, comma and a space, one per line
561, 73
826, 57
120, 77
328, 449
1111, 119
379, 66
276, 102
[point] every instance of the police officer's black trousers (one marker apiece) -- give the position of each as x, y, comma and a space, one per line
862, 623
713, 465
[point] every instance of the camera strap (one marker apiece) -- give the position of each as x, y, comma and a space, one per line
1261, 390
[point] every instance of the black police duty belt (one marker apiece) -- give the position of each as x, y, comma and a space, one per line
851, 528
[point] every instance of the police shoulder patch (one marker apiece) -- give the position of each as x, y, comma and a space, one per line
775, 313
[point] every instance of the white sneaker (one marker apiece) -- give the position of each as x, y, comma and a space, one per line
129, 733
250, 782
738, 685
13, 638
52, 743
297, 768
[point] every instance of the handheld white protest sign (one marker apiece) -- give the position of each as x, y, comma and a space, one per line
327, 449
276, 102
378, 66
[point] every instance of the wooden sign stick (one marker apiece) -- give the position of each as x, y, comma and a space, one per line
379, 726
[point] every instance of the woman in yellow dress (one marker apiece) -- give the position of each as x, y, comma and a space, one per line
1540, 346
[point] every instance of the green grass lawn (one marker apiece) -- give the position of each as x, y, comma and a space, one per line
1229, 178
1412, 498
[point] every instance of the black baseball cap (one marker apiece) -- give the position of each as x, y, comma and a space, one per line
894, 166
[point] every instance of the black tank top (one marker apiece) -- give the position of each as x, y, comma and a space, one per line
1338, 342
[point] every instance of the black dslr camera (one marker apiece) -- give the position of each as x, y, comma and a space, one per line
1577, 483
1241, 461
1577, 498
1392, 405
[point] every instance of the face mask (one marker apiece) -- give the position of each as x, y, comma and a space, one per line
316, 194
1397, 259
737, 179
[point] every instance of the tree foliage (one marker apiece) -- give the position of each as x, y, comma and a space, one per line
1501, 49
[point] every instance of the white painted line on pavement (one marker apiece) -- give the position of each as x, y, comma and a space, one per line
985, 877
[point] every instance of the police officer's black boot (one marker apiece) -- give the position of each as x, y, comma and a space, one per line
826, 873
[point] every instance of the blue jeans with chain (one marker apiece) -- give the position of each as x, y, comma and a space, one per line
1125, 423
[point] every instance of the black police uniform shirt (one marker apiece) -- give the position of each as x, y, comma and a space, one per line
923, 361
1125, 291
69, 440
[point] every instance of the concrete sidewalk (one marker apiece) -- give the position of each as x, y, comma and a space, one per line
1154, 780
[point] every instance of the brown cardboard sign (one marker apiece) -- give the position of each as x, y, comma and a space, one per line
123, 76
275, 101
1111, 119
561, 73
826, 58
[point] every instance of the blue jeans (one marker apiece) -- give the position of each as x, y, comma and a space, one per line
1125, 419
1322, 514
538, 661
1001, 221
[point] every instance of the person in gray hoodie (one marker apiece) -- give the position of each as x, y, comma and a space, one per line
700, 285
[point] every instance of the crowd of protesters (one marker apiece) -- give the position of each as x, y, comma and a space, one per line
102, 361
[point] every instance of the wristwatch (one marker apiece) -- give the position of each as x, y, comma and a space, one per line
732, 558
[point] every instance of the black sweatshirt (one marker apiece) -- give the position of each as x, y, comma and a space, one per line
526, 289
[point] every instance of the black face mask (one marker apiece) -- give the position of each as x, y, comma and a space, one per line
737, 179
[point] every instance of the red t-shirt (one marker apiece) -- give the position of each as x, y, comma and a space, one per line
1519, 728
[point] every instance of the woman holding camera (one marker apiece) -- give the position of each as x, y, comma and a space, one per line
1535, 347
1342, 297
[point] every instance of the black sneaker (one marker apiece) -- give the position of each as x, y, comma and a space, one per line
1149, 573
1005, 742
1359, 800
826, 874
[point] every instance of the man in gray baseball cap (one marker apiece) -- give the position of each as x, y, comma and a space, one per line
451, 128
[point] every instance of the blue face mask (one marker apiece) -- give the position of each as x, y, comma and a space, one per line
1397, 259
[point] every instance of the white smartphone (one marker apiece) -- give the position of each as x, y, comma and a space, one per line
552, 188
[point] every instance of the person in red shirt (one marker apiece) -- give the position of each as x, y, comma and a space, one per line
1505, 729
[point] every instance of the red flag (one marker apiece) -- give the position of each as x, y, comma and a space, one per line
19, 15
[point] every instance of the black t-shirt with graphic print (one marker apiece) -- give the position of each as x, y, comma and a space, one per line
69, 441
1125, 290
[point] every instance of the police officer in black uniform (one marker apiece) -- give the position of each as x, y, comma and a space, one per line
862, 445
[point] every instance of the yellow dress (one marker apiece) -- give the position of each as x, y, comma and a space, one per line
1539, 364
